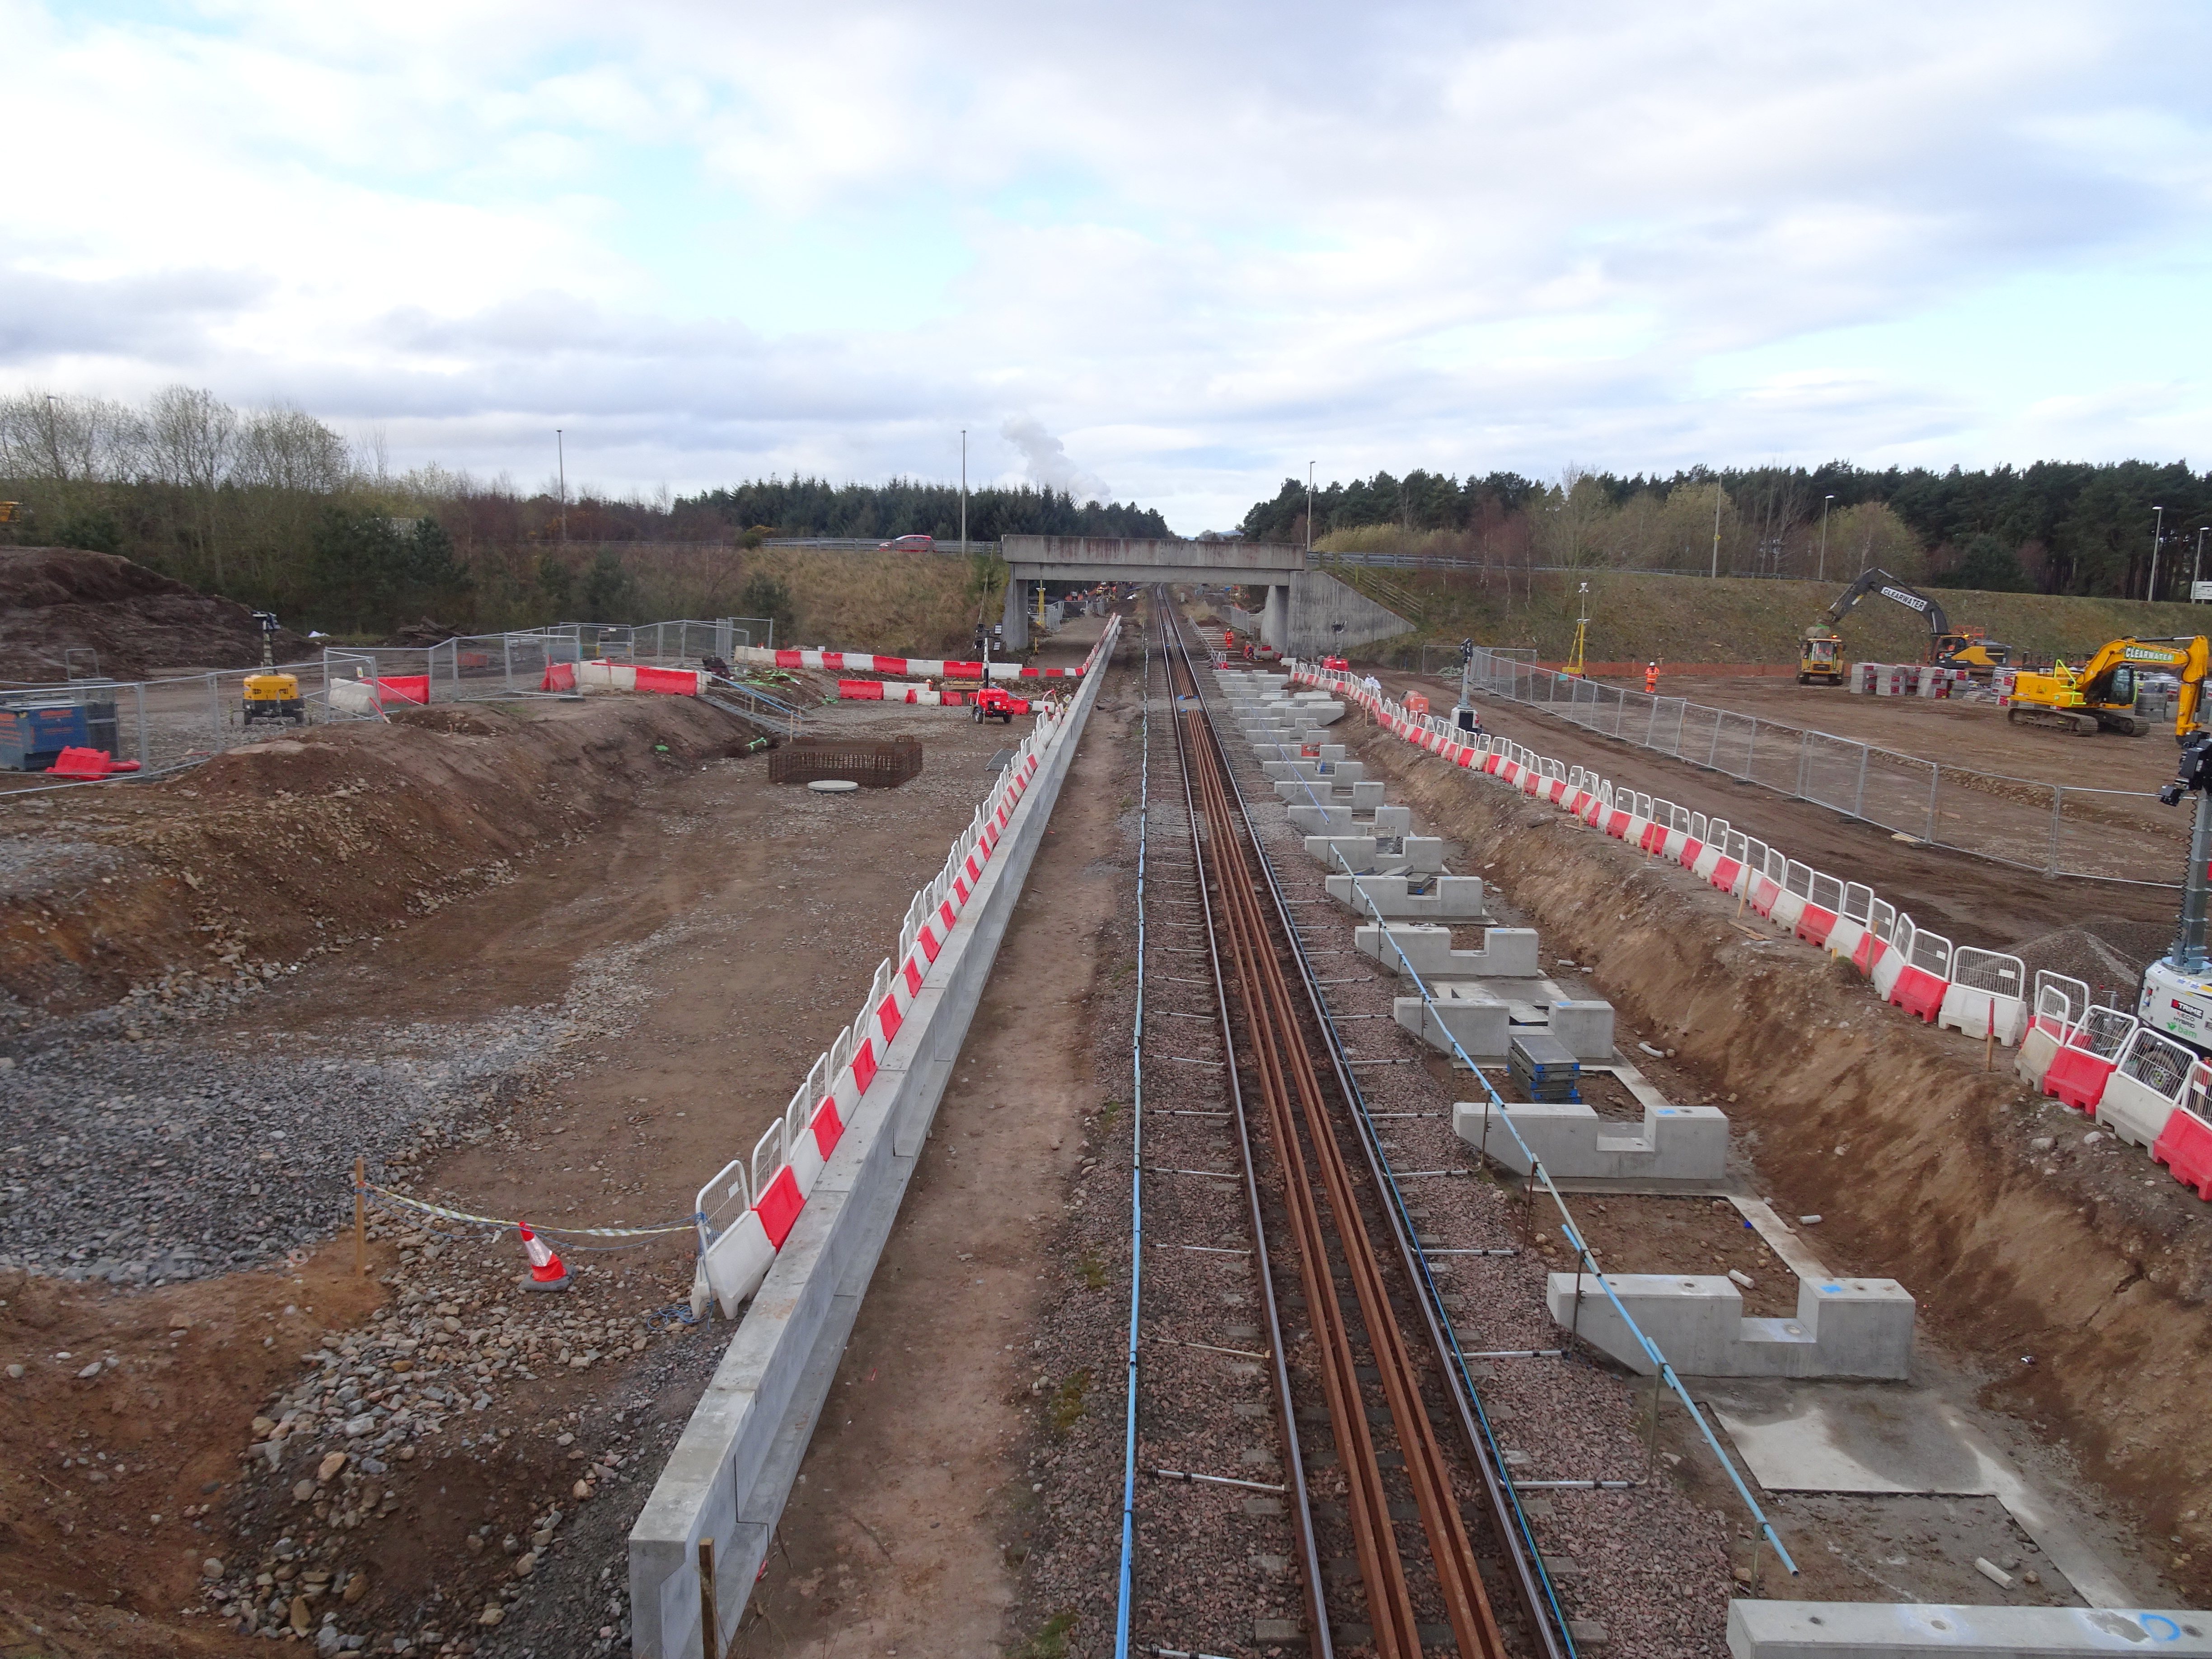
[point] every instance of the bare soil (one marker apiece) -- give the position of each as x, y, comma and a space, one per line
54, 599
688, 935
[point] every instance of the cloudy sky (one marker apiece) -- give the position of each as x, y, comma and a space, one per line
1169, 252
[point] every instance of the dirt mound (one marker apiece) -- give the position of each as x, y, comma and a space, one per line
279, 850
53, 599
2106, 954
426, 632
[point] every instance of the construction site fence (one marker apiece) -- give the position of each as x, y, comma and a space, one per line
173, 721
2052, 829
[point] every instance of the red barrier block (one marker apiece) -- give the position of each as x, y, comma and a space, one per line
1616, 824
1692, 849
1724, 874
559, 676
860, 690
2185, 1148
1870, 951
1654, 837
2077, 1078
75, 763
779, 1205
829, 1129
1762, 893
1815, 925
1919, 992
672, 681
407, 687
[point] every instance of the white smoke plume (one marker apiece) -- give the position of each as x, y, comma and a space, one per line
1045, 460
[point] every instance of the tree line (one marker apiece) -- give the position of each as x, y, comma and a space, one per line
2053, 527
273, 507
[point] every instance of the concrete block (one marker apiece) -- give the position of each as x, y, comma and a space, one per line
1677, 1143
1366, 793
1480, 1024
1585, 1027
1323, 820
1385, 854
1425, 948
1438, 898
1905, 1630
1843, 1327
1394, 821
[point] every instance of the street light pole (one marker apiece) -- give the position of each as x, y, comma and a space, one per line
1824, 536
963, 489
1309, 484
1719, 495
561, 451
2157, 536
2197, 570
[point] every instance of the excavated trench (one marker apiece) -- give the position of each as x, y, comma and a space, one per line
2073, 1281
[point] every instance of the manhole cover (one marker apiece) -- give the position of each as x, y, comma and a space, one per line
833, 785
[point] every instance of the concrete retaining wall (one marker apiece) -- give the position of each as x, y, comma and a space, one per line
733, 1468
1881, 1630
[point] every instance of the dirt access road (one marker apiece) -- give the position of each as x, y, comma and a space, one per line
582, 1039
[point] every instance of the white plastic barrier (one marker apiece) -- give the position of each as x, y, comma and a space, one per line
2059, 1001
1988, 993
2144, 1088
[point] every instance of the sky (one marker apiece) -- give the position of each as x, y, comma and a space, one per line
1163, 252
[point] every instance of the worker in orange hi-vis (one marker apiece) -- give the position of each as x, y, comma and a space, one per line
1651, 676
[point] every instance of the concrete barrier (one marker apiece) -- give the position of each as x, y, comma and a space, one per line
1425, 948
1892, 1630
1384, 854
1439, 898
1478, 1023
1677, 1143
1338, 821
1843, 1326
1583, 1026
732, 1469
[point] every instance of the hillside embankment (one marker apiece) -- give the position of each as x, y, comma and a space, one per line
1637, 617
2075, 1277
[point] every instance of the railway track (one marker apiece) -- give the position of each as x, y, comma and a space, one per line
1395, 1523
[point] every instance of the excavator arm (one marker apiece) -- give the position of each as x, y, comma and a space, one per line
1882, 582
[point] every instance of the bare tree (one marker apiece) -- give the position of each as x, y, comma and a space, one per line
191, 438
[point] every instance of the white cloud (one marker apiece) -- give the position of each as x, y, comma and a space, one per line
1207, 243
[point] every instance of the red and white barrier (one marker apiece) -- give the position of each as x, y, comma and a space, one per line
598, 675
867, 662
769, 1189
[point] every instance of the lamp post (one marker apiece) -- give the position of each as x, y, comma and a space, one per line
2157, 536
1825, 506
2197, 570
1719, 495
561, 451
963, 489
1309, 484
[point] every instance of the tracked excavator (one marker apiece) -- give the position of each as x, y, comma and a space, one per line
2100, 695
1820, 654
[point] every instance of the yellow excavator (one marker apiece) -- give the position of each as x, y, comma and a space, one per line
1820, 648
2100, 695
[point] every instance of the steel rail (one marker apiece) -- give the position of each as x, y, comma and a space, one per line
1277, 1350
1291, 1089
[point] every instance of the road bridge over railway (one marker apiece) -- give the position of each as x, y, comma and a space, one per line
1307, 611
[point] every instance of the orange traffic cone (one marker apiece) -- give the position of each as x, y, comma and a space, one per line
546, 1272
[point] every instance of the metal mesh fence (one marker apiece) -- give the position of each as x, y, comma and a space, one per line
2055, 829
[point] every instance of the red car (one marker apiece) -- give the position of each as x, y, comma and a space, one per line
908, 544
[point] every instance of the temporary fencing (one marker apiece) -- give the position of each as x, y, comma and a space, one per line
867, 662
2056, 830
2080, 1052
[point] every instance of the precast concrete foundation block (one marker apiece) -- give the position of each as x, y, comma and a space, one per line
1585, 1027
1478, 1023
1923, 1630
1412, 898
1843, 1327
1425, 948
1379, 855
1677, 1143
